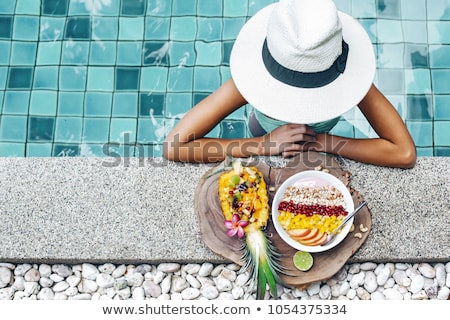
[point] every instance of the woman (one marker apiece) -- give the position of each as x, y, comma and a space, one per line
300, 64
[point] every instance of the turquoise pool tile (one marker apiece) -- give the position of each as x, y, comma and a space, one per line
415, 31
182, 54
6, 27
129, 53
100, 79
364, 9
125, 104
3, 76
78, 28
440, 78
75, 53
2, 95
127, 78
424, 152
442, 133
235, 8
151, 104
209, 29
231, 27
390, 55
131, 28
255, 6
16, 102
92, 150
68, 129
197, 97
227, 46
5, 48
151, 130
439, 56
210, 8
230, 129
155, 53
65, 150
20, 78
133, 7
23, 53
103, 53
416, 56
55, 7
105, 28
183, 28
180, 79
26, 28
343, 128
123, 130
41, 128
389, 31
214, 132
72, 78
417, 81
238, 114
49, 53
414, 9
206, 79
159, 8
420, 107
70, 103
39, 149
31, 7
46, 77
441, 107
13, 128
442, 152
43, 103
184, 7
178, 104
157, 28
399, 103
7, 6
389, 9
438, 32
391, 80
362, 129
98, 104
80, 8
438, 10
421, 132
51, 29
11, 149
225, 73
370, 26
153, 79
95, 130
208, 53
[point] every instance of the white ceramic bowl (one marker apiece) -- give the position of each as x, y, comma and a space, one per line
312, 178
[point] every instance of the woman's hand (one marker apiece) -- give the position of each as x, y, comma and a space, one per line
289, 140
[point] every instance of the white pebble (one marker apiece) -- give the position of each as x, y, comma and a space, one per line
89, 271
104, 280
119, 271
209, 292
440, 274
370, 282
169, 267
444, 293
45, 270
6, 276
46, 294
205, 269
417, 284
427, 270
392, 294
60, 286
190, 293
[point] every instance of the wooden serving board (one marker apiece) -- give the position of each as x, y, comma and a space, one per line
326, 264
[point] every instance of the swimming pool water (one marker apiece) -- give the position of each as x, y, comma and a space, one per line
110, 77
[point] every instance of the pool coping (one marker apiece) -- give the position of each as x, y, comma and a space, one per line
71, 210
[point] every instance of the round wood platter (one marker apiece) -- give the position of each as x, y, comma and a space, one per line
326, 264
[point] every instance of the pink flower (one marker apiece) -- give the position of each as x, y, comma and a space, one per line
235, 226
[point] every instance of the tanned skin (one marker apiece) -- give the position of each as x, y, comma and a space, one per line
187, 143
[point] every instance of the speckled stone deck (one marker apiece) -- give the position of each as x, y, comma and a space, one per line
97, 210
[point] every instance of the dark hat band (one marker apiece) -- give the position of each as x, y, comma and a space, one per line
305, 79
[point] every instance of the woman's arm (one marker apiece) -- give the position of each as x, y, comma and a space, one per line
393, 148
186, 141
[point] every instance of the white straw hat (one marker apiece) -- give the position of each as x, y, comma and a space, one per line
302, 61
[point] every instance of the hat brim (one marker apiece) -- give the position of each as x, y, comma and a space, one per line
301, 105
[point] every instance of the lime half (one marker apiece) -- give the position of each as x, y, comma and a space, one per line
303, 260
